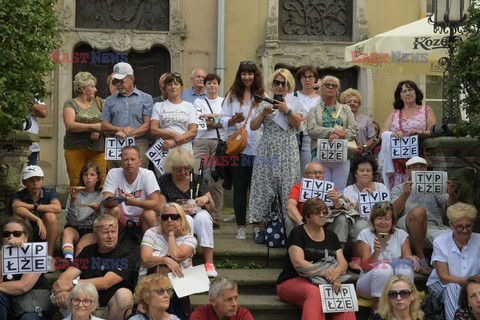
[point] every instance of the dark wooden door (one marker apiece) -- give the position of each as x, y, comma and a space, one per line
147, 68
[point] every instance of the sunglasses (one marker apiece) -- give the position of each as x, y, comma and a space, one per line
378, 205
404, 294
278, 83
330, 85
85, 302
106, 227
247, 63
162, 291
15, 233
174, 217
115, 81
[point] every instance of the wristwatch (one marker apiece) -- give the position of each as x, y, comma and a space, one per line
75, 282
365, 147
289, 112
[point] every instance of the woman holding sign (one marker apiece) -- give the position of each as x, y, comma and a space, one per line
409, 118
384, 251
331, 120
309, 243
83, 141
22, 287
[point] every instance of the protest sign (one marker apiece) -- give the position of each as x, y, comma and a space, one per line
316, 188
114, 146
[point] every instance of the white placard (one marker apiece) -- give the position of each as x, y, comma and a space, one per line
316, 188
157, 155
195, 280
429, 182
114, 146
336, 151
366, 200
31, 257
342, 301
404, 148
202, 124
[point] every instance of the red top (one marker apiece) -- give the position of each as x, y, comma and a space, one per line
206, 312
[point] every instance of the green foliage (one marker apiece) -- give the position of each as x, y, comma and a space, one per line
465, 70
28, 31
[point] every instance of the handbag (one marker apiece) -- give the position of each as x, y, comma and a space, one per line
35, 300
351, 144
275, 229
237, 142
327, 262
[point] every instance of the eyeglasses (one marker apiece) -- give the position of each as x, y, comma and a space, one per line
388, 206
404, 294
315, 172
407, 90
278, 83
247, 63
162, 291
460, 227
85, 302
16, 233
320, 213
174, 217
181, 169
330, 85
308, 77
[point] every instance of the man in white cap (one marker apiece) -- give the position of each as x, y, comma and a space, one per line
421, 215
127, 112
38, 206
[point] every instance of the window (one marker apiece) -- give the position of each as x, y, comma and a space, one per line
433, 95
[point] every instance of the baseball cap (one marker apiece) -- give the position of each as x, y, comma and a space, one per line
32, 171
121, 70
414, 160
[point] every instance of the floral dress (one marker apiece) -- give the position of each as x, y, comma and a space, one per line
417, 121
276, 167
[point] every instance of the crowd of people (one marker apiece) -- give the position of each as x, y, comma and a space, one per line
159, 213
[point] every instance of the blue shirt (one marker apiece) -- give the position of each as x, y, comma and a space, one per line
122, 110
190, 95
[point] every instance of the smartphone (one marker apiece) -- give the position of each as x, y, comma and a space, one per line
278, 97
383, 238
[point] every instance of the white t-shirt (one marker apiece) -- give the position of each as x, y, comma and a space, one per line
144, 185
175, 117
352, 191
159, 245
202, 108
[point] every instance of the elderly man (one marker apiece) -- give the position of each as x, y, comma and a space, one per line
198, 89
314, 170
127, 112
109, 267
223, 297
139, 187
161, 84
421, 215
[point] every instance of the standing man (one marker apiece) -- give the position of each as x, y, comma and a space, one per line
39, 111
108, 266
198, 89
127, 112
223, 297
161, 84
140, 188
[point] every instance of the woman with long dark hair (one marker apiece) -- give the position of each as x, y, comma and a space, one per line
238, 107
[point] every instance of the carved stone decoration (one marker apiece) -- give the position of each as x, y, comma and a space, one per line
327, 20
123, 14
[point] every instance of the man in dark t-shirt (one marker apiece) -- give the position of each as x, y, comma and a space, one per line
109, 267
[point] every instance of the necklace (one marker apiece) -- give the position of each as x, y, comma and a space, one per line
458, 244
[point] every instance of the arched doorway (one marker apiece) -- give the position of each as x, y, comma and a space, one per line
147, 68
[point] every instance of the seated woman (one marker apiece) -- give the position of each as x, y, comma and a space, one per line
399, 300
309, 243
455, 257
180, 184
16, 287
154, 292
169, 248
82, 301
83, 207
381, 260
469, 300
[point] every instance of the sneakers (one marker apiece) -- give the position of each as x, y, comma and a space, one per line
50, 267
211, 272
230, 219
241, 234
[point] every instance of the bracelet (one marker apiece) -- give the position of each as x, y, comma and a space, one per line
289, 112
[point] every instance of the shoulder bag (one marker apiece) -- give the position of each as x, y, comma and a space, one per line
237, 142
35, 300
351, 144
